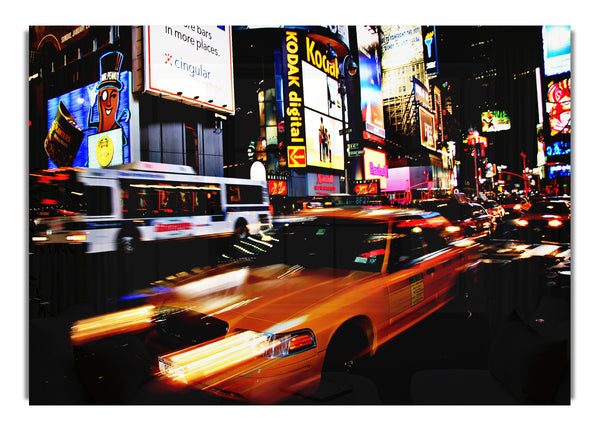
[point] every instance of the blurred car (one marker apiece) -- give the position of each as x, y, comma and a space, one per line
471, 218
493, 208
514, 206
314, 296
546, 220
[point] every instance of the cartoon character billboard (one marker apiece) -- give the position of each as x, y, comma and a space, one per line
89, 126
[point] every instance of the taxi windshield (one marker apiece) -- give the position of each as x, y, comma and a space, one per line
324, 242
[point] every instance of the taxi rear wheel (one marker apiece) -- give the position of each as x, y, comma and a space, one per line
347, 350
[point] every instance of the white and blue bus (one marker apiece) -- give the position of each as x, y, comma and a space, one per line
116, 209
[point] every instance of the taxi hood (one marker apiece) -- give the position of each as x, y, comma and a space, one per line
264, 295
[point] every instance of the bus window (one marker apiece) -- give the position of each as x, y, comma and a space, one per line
185, 202
99, 200
243, 194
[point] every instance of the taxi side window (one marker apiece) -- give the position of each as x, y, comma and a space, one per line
406, 246
433, 240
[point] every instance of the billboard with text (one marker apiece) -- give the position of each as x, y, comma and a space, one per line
189, 63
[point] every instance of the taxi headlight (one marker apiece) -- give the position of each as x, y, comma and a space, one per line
452, 229
517, 207
281, 345
554, 223
522, 223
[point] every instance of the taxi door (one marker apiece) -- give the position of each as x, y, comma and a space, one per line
419, 271
408, 272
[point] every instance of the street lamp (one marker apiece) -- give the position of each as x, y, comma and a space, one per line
348, 66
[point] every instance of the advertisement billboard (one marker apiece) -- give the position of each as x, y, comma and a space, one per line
371, 97
321, 91
400, 44
324, 144
293, 97
376, 167
189, 63
494, 121
426, 129
421, 93
312, 104
430, 50
558, 171
322, 185
558, 106
556, 41
89, 126
439, 123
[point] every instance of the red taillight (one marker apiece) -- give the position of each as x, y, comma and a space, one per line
271, 209
373, 253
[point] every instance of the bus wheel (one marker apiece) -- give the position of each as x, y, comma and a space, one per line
127, 243
241, 228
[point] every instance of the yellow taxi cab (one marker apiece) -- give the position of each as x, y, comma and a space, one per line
317, 295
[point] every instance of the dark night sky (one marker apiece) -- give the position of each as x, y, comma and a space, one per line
513, 52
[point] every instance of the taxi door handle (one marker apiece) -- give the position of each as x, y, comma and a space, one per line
430, 271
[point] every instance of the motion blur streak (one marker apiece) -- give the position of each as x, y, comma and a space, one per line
119, 322
206, 361
214, 284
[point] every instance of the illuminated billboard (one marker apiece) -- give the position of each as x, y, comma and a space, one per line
189, 63
558, 106
400, 44
557, 49
376, 167
93, 121
557, 171
321, 91
494, 121
421, 93
426, 129
430, 50
439, 123
324, 144
369, 65
312, 104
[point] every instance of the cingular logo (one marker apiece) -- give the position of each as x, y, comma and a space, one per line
193, 70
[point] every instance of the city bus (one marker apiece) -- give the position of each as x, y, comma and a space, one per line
116, 209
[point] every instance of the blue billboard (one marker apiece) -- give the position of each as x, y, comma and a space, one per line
89, 126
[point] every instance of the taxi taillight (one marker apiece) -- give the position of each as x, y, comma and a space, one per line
554, 223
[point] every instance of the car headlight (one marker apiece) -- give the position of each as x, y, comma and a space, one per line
554, 223
517, 207
522, 223
452, 229
281, 345
237, 352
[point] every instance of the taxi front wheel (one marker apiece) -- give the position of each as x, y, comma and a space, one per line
347, 350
